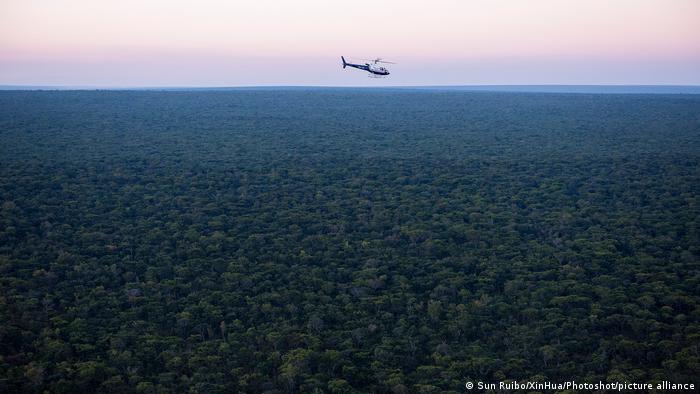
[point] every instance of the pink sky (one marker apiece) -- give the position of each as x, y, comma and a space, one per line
265, 42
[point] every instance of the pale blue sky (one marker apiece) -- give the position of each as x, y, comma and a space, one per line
267, 42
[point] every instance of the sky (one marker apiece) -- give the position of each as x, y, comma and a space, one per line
156, 43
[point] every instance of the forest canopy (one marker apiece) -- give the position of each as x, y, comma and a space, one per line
346, 240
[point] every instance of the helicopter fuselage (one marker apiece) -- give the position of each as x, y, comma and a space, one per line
370, 68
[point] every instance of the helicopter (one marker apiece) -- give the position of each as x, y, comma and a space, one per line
372, 67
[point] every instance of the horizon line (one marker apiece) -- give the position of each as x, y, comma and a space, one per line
523, 88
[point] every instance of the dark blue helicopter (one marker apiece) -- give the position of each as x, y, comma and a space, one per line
373, 67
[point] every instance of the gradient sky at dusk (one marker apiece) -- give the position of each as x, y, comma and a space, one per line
265, 42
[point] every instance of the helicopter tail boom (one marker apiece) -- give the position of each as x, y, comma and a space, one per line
344, 63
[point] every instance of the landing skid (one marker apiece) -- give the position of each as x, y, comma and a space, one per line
375, 76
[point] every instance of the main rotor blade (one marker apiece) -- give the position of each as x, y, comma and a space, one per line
377, 60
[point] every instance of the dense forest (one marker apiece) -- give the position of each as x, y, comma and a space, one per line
346, 240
